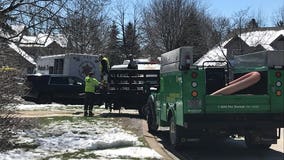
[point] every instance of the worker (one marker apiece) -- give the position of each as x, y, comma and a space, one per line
104, 67
132, 64
90, 87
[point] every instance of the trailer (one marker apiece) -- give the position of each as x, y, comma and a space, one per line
72, 64
197, 102
130, 88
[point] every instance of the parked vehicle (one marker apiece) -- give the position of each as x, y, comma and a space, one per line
72, 64
129, 88
201, 101
44, 89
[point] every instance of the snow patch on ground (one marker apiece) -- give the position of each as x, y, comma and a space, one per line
93, 138
104, 139
45, 107
130, 152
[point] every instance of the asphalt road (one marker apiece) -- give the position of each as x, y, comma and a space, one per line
231, 149
211, 150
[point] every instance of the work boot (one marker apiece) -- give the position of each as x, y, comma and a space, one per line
85, 113
91, 114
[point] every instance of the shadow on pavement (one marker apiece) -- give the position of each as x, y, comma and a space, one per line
228, 149
118, 115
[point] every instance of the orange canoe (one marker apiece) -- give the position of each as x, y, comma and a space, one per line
241, 83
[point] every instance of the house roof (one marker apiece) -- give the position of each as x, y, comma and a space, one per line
43, 40
22, 53
263, 38
231, 40
215, 54
13, 46
40, 40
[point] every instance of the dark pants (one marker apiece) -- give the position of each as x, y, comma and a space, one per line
89, 101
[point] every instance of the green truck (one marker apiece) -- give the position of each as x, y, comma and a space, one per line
242, 97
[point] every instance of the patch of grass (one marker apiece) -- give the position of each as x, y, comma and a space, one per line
48, 120
26, 145
143, 140
127, 157
133, 128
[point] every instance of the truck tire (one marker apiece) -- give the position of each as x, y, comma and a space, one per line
151, 117
252, 144
175, 133
44, 99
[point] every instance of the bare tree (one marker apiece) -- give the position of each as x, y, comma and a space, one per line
260, 18
278, 18
36, 16
163, 21
169, 24
120, 16
222, 26
240, 20
85, 25
11, 87
123, 16
136, 38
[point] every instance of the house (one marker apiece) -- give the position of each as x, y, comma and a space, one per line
261, 39
12, 55
21, 53
43, 44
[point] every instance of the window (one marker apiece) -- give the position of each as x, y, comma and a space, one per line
74, 81
58, 66
59, 80
51, 69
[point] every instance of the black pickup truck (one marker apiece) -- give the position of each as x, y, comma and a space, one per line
44, 89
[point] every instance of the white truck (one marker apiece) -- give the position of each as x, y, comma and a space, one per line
69, 64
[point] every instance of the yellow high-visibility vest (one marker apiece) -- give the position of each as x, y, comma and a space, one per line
90, 84
105, 59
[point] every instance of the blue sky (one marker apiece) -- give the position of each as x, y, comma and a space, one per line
227, 8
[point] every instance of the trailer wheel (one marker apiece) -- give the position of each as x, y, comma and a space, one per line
151, 117
251, 142
175, 133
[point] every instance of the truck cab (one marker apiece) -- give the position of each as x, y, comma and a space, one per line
244, 99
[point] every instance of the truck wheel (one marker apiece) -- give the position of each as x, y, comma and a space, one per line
175, 133
252, 144
151, 117
44, 99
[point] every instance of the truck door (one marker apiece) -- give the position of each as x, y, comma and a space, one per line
66, 89
76, 87
58, 87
